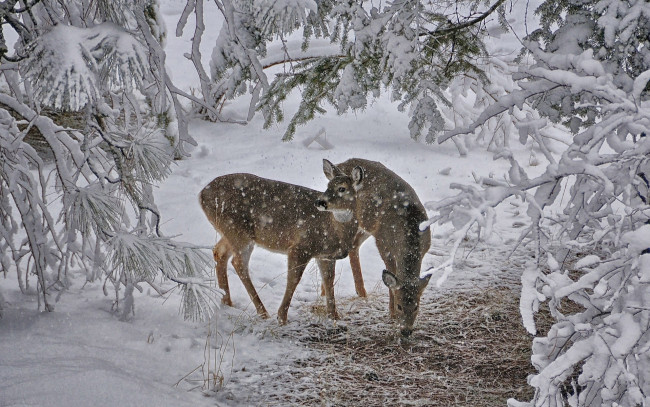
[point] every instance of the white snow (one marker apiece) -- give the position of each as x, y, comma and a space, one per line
587, 261
638, 239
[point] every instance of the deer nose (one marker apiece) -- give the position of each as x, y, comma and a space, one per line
321, 204
406, 332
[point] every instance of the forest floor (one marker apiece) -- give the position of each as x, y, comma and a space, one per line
469, 348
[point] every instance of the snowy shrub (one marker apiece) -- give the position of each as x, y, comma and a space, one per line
589, 209
66, 206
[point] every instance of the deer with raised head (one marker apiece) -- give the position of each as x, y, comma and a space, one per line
248, 210
387, 208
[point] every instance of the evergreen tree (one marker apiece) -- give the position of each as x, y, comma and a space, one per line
87, 81
409, 48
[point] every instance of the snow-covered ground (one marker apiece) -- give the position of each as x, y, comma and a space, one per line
82, 354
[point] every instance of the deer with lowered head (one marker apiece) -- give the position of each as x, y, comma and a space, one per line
247, 210
387, 208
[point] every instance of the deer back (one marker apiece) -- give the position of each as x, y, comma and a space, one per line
275, 215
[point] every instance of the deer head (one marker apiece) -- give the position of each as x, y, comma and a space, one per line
341, 191
405, 297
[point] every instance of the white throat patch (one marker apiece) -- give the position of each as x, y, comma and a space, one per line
342, 215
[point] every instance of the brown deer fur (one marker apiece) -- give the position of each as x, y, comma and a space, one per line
387, 208
248, 210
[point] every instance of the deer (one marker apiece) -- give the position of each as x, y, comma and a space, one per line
388, 209
248, 210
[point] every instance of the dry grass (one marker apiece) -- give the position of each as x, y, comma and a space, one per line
469, 350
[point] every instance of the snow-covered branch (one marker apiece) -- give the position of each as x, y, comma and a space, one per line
596, 352
106, 75
395, 47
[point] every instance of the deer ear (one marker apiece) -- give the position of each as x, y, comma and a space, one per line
330, 169
389, 279
357, 178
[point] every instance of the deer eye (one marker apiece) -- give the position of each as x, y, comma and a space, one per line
342, 189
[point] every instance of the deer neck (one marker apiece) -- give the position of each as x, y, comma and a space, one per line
402, 238
346, 231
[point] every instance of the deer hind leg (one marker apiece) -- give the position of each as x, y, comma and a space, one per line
355, 265
327, 269
240, 262
297, 262
222, 251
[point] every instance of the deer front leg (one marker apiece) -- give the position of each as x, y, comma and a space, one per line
222, 252
391, 265
240, 262
297, 262
327, 268
355, 265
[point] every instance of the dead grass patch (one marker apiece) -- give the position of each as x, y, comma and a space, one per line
469, 349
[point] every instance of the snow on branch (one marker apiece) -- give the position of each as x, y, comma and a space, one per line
135, 257
70, 67
591, 243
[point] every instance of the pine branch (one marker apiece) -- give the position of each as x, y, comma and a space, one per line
290, 60
462, 26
